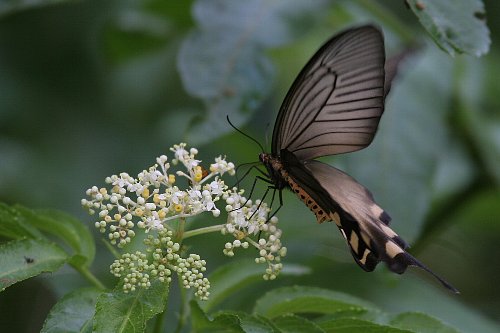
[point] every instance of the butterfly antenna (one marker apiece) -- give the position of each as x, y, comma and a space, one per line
241, 132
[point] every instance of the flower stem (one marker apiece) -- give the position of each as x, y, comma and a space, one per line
179, 233
111, 249
201, 231
184, 308
251, 241
89, 276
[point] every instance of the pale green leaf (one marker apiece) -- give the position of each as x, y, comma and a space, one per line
121, 312
457, 26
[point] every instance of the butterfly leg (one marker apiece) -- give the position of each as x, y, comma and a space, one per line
239, 180
280, 196
253, 187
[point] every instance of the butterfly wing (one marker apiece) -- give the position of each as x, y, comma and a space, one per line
361, 221
335, 103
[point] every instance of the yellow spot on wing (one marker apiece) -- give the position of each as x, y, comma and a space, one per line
365, 255
354, 241
388, 231
336, 218
392, 249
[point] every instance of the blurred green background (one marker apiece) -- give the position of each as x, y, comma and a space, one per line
94, 88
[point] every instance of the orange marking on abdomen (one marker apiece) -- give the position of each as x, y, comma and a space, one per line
319, 212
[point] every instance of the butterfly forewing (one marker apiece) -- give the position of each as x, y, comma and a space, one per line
335, 103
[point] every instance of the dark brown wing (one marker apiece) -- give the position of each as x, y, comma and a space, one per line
335, 103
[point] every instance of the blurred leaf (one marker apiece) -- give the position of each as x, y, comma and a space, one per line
412, 294
8, 7
455, 25
22, 259
67, 228
135, 33
480, 127
223, 62
352, 325
421, 323
307, 300
73, 313
471, 241
229, 278
455, 171
117, 311
403, 156
290, 324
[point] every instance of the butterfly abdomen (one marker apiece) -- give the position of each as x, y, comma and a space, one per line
320, 213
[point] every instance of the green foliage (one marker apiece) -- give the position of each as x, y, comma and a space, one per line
25, 258
283, 310
73, 312
92, 88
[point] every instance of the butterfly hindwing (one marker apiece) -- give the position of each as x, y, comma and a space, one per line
363, 223
351, 206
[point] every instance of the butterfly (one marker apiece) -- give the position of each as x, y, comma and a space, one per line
333, 107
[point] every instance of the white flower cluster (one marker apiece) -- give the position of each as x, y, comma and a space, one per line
154, 198
246, 218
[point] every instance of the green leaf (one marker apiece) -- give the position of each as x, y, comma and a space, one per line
13, 225
295, 324
22, 259
117, 311
8, 7
457, 26
307, 300
223, 62
67, 228
227, 279
73, 313
421, 323
254, 324
352, 325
